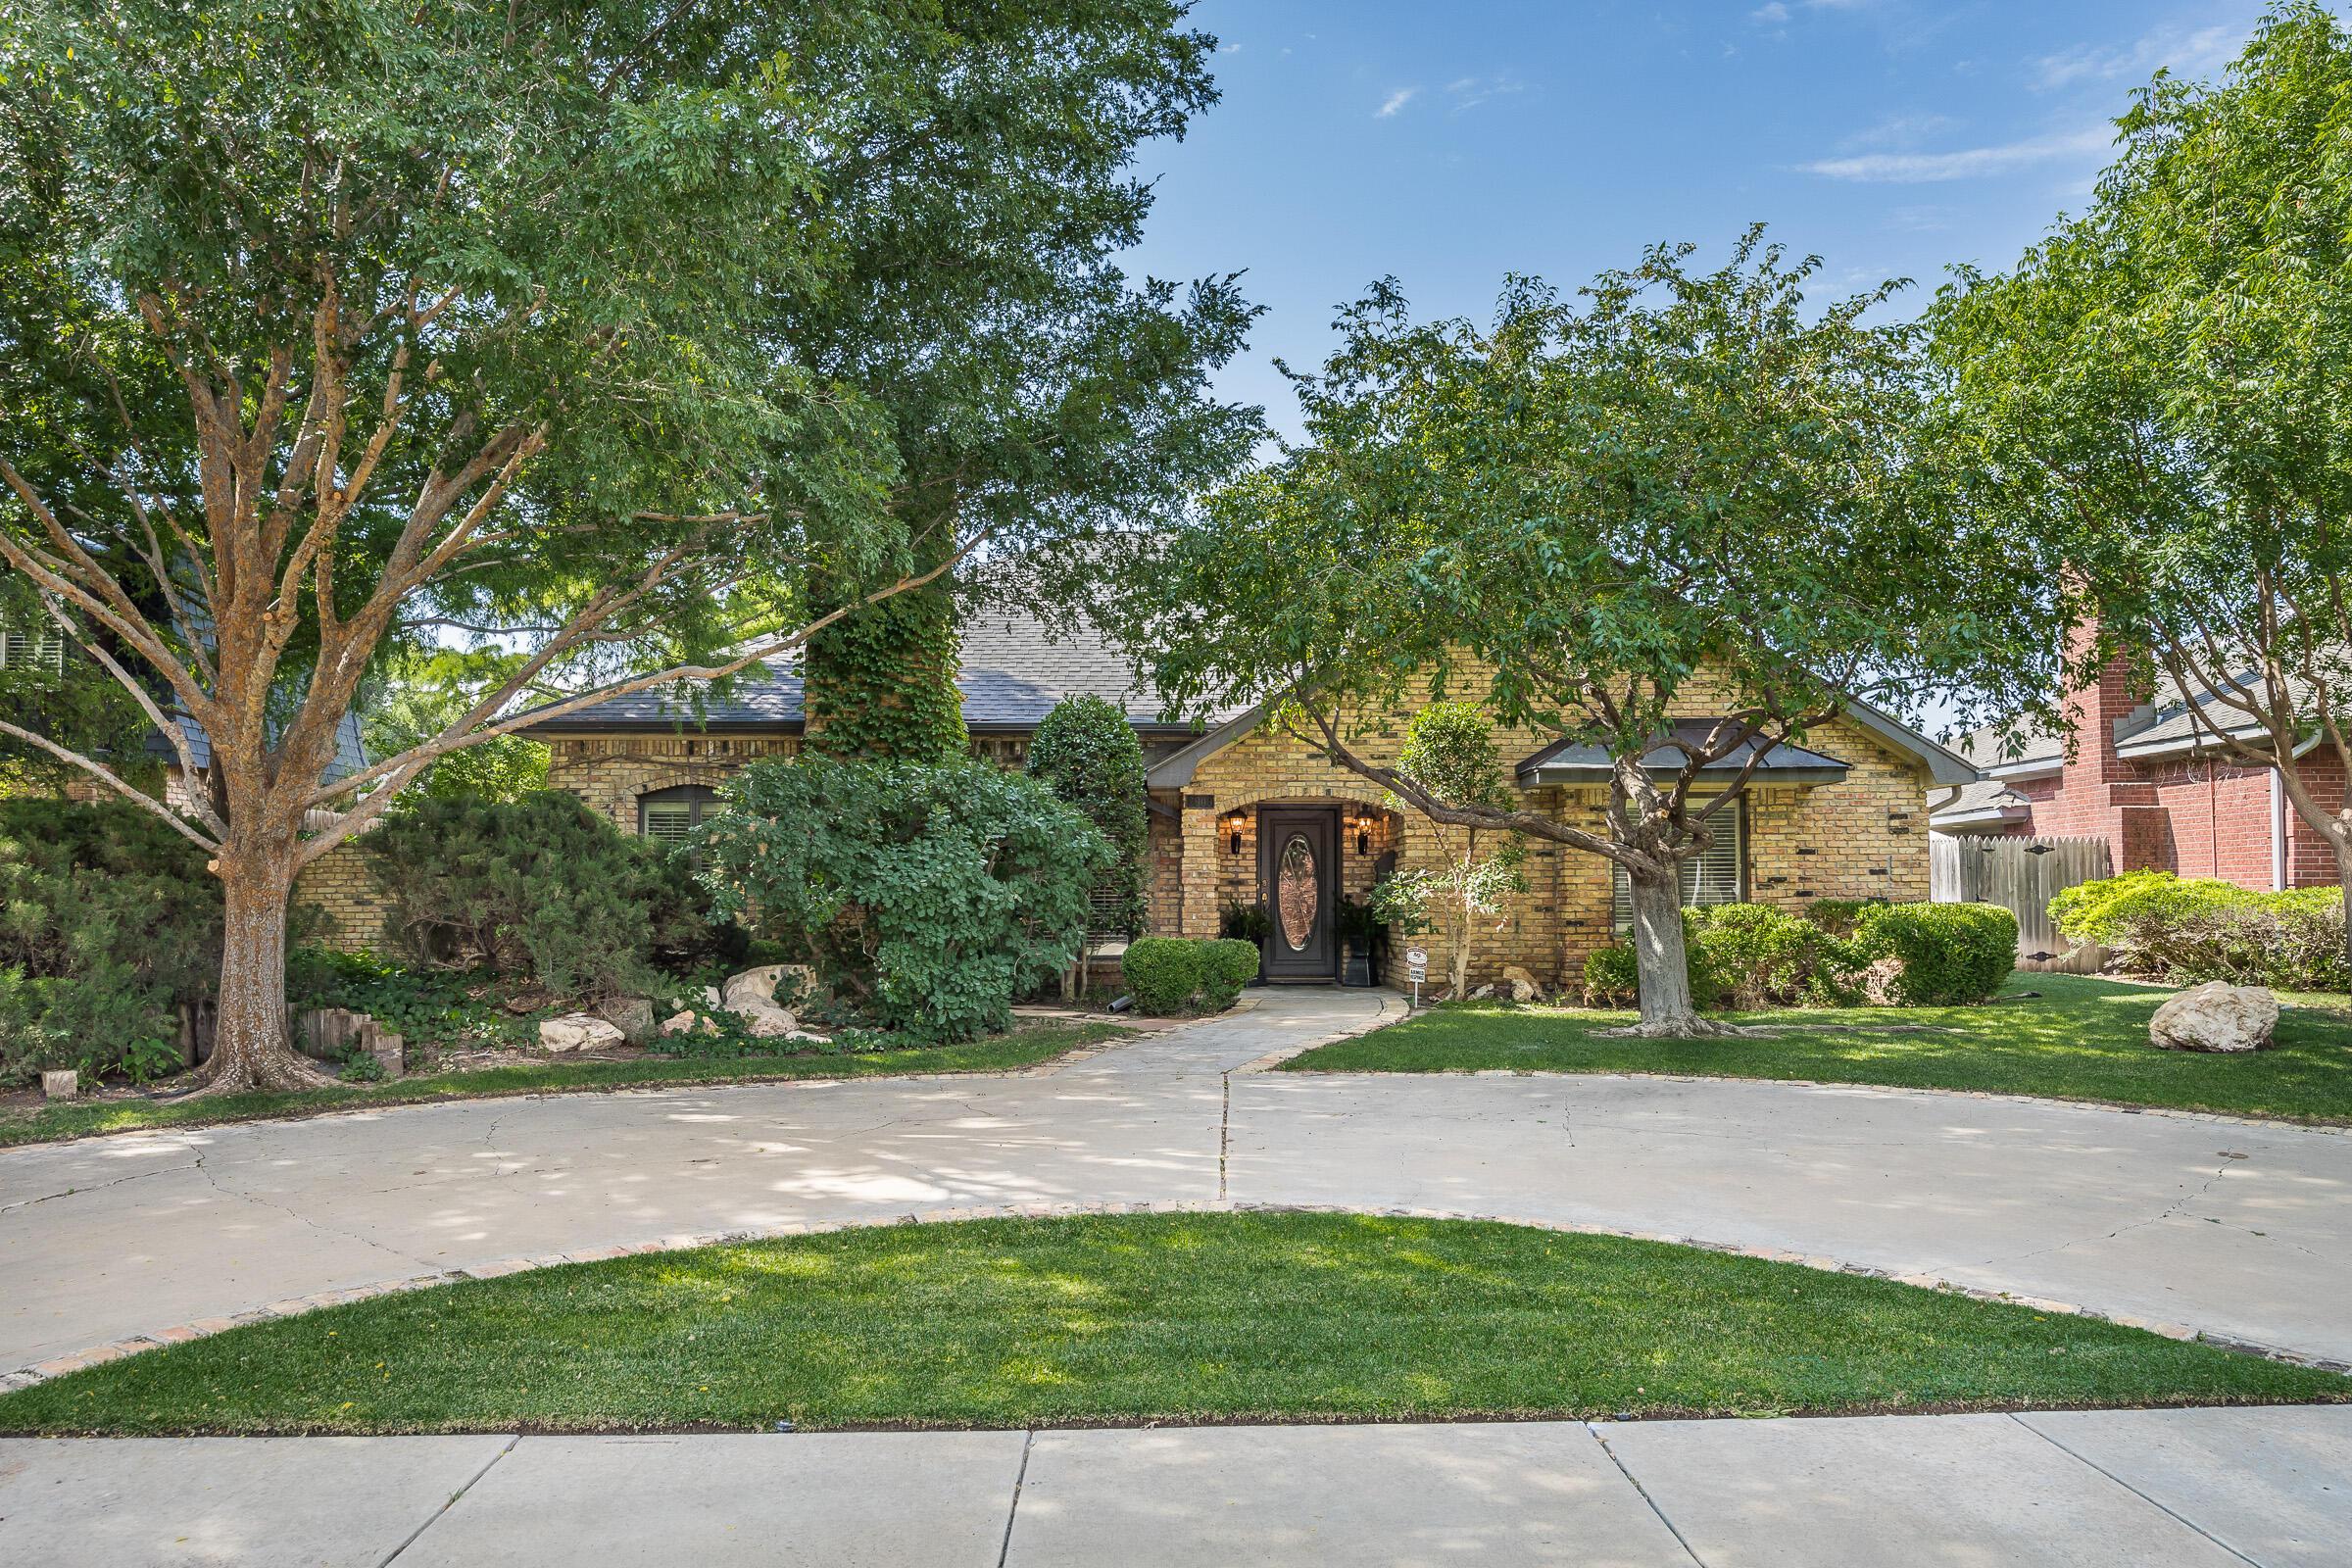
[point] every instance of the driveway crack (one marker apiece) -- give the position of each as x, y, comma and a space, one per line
324, 1230
100, 1186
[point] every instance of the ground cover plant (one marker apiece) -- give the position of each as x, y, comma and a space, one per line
1008, 1323
1024, 1046
2070, 1037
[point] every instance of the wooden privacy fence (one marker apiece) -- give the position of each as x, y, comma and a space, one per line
2021, 875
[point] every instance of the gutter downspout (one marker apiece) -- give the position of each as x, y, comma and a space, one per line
2277, 833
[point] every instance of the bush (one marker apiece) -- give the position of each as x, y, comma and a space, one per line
2187, 931
1611, 979
1951, 953
540, 887
108, 923
1172, 976
1086, 752
2101, 911
1164, 973
926, 898
1840, 916
1754, 955
428, 1008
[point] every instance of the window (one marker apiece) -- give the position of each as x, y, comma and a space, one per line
44, 651
669, 816
1716, 876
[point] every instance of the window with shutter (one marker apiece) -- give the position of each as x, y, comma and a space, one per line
669, 816
1716, 876
44, 651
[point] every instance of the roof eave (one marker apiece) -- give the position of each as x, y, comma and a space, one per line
1586, 773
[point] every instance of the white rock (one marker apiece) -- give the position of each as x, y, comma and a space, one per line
1482, 992
2215, 1016
1522, 984
633, 1016
579, 1031
686, 1019
765, 1020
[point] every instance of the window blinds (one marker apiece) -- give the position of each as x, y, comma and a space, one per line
1710, 878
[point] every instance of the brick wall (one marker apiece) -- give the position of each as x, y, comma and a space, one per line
341, 886
1863, 837
611, 772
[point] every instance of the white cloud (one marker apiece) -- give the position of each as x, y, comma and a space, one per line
1900, 133
1769, 16
1395, 102
2184, 51
1969, 163
1468, 92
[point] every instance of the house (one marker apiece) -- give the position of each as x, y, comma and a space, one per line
1243, 815
2151, 779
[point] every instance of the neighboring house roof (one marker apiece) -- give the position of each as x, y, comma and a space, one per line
1014, 670
2181, 725
2038, 749
1984, 803
350, 755
1566, 761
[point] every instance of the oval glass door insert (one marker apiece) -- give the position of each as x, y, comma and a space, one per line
1295, 893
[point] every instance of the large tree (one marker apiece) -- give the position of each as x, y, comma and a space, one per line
2163, 391
1683, 492
338, 326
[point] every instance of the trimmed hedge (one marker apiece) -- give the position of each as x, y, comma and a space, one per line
2189, 931
1951, 955
1845, 951
1172, 976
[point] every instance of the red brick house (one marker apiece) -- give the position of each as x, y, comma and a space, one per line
2153, 780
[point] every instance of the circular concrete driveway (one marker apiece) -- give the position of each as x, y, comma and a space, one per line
2234, 1229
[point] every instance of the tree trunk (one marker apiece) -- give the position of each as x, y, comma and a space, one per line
252, 1042
1662, 967
2343, 880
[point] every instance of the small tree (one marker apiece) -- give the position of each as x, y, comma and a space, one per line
1693, 493
2161, 392
1449, 755
1086, 752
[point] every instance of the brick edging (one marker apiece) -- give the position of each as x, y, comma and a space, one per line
200, 1328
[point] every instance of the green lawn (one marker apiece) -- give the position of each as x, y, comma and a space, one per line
1024, 1046
1007, 1323
2080, 1039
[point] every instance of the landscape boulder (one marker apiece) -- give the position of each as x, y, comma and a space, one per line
633, 1016
579, 1031
2217, 1016
1520, 983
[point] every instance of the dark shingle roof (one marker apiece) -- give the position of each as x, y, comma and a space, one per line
1014, 670
1577, 763
350, 755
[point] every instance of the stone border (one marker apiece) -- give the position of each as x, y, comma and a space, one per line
200, 1328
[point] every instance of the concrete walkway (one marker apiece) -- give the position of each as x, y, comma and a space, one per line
2187, 1488
2234, 1229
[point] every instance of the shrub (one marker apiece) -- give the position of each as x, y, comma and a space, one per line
1611, 979
1840, 916
109, 922
1164, 973
926, 898
1172, 976
2191, 930
540, 887
1951, 953
2101, 911
429, 1008
1245, 923
1086, 752
1754, 955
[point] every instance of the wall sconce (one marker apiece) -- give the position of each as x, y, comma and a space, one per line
1233, 829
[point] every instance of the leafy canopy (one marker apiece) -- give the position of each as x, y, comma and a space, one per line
1684, 491
2160, 396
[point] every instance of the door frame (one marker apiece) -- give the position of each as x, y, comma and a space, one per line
1274, 823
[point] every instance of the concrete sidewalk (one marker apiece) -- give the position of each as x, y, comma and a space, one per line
2183, 1488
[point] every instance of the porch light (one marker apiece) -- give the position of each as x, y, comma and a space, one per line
1233, 829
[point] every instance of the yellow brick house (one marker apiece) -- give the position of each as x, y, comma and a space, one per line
1236, 804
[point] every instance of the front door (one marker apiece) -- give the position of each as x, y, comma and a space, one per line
1298, 867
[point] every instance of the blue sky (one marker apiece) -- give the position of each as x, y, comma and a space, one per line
1450, 143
